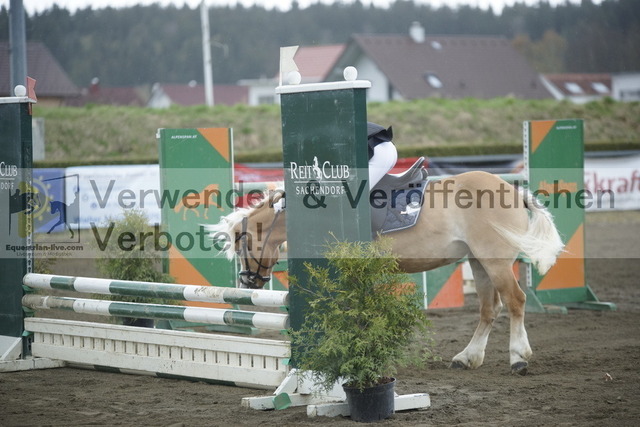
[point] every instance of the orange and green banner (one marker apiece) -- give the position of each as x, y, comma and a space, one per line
554, 159
196, 178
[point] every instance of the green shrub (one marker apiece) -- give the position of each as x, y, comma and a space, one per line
363, 320
139, 262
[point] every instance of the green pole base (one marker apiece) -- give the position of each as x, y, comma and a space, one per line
558, 301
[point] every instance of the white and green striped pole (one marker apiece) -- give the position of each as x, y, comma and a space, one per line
213, 316
212, 294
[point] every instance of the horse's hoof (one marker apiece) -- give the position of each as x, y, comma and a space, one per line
519, 368
456, 364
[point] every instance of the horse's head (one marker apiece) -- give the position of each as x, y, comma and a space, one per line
254, 235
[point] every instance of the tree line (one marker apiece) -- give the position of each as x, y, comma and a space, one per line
147, 44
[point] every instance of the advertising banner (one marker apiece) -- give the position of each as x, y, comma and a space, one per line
102, 193
614, 181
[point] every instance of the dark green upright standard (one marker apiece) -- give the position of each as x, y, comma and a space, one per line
324, 136
15, 220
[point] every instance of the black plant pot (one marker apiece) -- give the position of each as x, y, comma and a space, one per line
371, 404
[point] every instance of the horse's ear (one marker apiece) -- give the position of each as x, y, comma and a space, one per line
275, 196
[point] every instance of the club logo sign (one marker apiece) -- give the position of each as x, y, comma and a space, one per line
319, 178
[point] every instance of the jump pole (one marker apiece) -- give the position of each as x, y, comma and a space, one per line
211, 316
209, 294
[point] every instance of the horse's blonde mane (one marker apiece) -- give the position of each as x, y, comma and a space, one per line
224, 231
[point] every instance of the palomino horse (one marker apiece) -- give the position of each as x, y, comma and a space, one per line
475, 214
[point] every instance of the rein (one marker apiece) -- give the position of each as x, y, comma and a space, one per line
251, 276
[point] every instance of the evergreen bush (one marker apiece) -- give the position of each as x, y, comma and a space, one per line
137, 260
363, 320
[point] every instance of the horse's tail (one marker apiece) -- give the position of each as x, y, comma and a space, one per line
541, 243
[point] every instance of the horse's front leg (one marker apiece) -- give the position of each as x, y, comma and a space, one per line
490, 305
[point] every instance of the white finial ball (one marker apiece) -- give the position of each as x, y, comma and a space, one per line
350, 73
20, 90
294, 78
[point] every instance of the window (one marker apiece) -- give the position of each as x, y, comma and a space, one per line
600, 87
433, 80
573, 87
266, 99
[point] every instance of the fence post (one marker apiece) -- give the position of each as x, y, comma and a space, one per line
16, 194
324, 136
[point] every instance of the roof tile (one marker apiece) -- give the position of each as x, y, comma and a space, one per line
479, 66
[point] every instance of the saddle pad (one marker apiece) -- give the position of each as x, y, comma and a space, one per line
402, 208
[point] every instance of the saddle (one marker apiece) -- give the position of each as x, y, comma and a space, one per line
396, 200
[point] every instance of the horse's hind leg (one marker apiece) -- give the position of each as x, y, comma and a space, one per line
503, 278
490, 305
70, 229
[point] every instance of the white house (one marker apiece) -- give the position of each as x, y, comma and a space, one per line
314, 63
416, 66
626, 86
578, 87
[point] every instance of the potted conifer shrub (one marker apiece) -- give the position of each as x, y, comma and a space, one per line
362, 322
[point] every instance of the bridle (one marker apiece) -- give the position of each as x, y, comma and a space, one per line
248, 277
